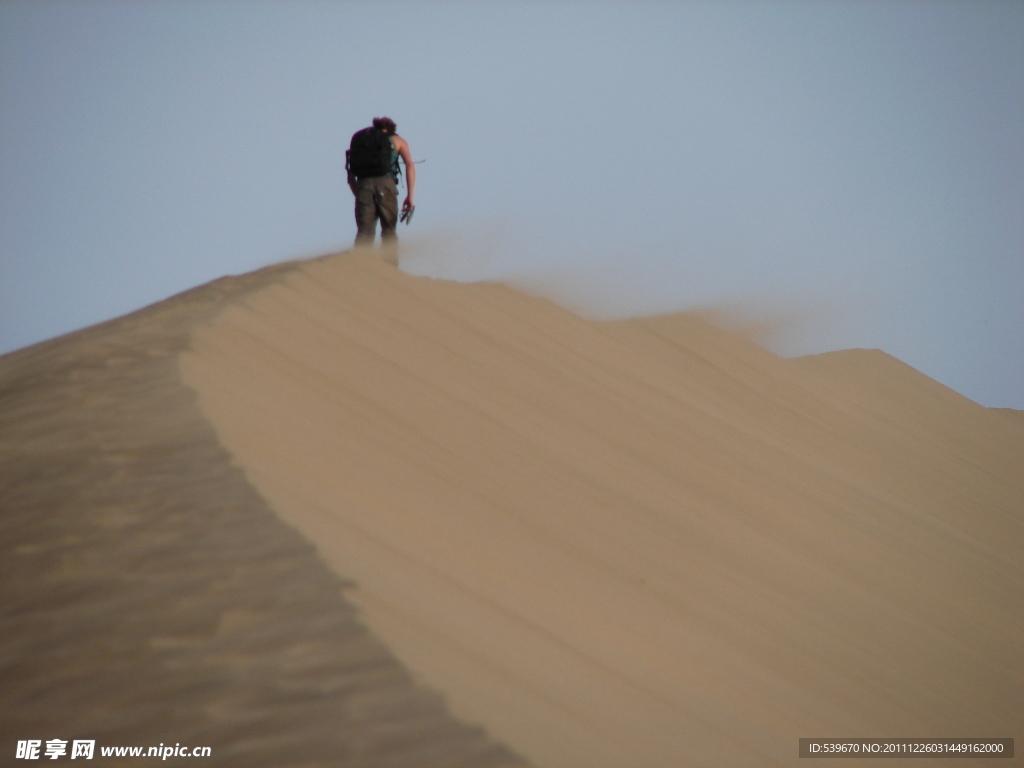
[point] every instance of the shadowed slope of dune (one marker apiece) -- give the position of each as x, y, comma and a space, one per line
640, 543
149, 594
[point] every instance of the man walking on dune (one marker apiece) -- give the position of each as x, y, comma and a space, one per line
372, 164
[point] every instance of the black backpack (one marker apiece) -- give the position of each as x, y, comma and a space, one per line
369, 154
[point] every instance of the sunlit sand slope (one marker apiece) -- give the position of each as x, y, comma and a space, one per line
642, 543
149, 596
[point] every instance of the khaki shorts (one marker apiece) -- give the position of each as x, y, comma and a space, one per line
376, 198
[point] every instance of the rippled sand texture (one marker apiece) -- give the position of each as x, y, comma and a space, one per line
641, 543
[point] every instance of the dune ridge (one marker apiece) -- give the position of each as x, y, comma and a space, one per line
148, 594
636, 543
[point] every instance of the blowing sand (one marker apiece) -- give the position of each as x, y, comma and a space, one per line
640, 543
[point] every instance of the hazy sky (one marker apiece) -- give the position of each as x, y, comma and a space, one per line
856, 168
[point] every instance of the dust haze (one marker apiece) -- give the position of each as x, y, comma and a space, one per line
596, 283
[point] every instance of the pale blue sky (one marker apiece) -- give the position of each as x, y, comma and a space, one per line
854, 167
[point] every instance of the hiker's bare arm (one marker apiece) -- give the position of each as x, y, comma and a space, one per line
410, 170
352, 182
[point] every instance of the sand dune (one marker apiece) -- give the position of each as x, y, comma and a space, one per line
331, 514
640, 543
149, 596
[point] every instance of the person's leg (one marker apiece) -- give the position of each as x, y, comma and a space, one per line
387, 207
366, 212
387, 210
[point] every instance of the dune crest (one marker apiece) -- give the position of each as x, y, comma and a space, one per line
150, 595
634, 543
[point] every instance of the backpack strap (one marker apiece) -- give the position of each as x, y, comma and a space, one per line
396, 166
